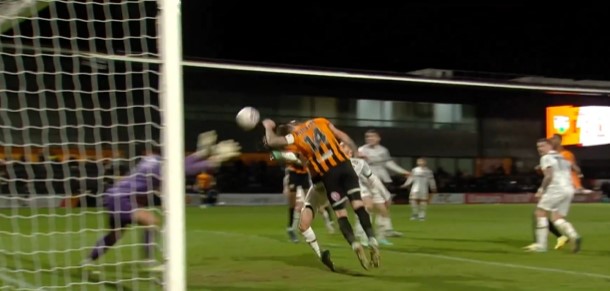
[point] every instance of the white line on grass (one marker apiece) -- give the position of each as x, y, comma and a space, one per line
444, 257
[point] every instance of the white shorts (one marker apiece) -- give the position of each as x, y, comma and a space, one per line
317, 198
376, 197
419, 195
556, 202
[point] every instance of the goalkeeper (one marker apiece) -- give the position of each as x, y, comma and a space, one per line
120, 199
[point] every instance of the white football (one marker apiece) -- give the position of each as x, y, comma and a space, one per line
247, 118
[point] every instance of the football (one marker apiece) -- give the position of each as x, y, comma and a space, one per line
247, 118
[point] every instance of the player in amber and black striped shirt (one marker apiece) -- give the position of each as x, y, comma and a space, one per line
317, 141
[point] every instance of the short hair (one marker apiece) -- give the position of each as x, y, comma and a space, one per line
372, 131
557, 136
283, 129
544, 140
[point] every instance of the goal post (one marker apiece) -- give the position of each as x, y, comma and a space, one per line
173, 137
84, 85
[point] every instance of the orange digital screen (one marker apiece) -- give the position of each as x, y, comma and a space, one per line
585, 126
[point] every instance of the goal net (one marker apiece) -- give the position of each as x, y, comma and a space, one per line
79, 103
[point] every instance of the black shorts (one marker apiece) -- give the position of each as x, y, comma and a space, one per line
342, 184
295, 180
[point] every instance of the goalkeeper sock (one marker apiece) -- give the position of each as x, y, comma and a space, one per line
554, 229
365, 221
310, 238
346, 230
104, 244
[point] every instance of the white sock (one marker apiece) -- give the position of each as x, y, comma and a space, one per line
414, 208
358, 230
542, 231
566, 228
310, 238
382, 226
295, 219
422, 209
388, 223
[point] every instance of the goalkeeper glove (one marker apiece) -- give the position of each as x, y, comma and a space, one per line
205, 143
224, 151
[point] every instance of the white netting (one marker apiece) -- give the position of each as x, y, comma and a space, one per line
75, 105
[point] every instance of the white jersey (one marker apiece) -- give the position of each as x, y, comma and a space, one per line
377, 157
362, 169
562, 173
421, 180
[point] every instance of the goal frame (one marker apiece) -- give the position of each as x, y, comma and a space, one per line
172, 107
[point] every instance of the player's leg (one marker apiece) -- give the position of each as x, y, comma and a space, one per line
109, 239
314, 196
337, 196
387, 221
119, 216
358, 229
423, 204
326, 212
382, 220
350, 184
151, 224
414, 206
546, 205
560, 221
290, 192
553, 229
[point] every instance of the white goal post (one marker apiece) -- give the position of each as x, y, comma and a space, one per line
84, 88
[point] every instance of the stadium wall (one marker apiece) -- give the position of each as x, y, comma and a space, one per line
279, 199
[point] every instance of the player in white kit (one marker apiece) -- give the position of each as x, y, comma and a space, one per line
555, 193
421, 181
380, 161
374, 195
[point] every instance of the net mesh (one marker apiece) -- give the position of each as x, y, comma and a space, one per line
76, 105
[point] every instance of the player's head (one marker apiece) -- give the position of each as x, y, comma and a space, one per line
421, 162
346, 149
544, 146
372, 137
283, 129
556, 140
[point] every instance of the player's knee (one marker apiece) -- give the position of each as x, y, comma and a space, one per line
306, 217
357, 204
340, 213
382, 209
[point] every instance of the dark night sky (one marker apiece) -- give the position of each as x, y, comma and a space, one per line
550, 41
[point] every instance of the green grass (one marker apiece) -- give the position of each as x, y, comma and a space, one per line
465, 247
